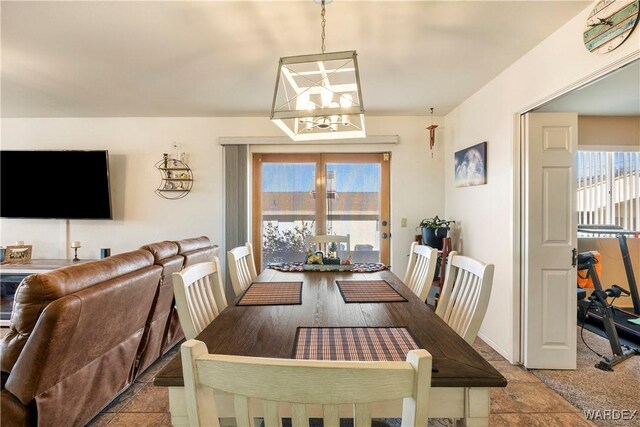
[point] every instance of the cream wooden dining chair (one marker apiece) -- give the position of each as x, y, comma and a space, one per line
465, 295
322, 242
242, 267
421, 269
302, 383
199, 296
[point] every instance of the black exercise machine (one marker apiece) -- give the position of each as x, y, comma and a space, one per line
597, 306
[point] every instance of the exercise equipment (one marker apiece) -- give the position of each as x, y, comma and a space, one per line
597, 306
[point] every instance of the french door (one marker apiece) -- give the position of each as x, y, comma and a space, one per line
298, 195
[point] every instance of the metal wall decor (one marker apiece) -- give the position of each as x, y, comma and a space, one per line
176, 178
319, 96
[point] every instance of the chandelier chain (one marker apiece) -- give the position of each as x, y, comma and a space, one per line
322, 24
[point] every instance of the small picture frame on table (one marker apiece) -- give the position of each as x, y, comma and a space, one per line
18, 254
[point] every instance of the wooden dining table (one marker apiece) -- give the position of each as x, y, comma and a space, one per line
460, 383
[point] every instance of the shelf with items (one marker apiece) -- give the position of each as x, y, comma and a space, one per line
176, 178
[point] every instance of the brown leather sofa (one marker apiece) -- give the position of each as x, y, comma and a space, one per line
68, 342
69, 350
163, 326
155, 341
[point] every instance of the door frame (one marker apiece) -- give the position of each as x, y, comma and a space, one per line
321, 159
519, 215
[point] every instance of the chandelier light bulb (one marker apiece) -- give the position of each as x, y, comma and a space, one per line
346, 100
334, 118
326, 95
302, 101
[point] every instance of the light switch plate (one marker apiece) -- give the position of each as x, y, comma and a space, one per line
403, 222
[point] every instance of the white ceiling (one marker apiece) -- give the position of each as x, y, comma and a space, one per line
616, 94
145, 58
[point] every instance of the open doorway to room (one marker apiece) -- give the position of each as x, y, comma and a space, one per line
604, 220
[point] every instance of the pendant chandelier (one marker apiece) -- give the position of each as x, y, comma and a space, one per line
318, 96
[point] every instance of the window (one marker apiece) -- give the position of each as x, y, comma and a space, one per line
609, 188
297, 195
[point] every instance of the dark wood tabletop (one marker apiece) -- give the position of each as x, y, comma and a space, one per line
269, 331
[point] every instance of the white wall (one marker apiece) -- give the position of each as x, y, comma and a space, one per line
486, 213
140, 217
611, 131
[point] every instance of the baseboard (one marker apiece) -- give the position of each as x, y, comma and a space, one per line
504, 353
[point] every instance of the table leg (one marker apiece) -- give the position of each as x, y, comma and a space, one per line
476, 408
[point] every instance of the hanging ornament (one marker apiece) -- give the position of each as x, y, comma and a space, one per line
432, 133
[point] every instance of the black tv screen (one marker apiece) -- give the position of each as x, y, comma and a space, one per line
55, 184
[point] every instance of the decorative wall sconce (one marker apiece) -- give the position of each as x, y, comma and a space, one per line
176, 177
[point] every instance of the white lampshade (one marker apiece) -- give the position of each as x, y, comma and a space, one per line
319, 97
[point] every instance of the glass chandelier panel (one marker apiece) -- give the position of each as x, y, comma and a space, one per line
318, 96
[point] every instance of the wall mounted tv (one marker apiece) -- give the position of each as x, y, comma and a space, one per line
55, 184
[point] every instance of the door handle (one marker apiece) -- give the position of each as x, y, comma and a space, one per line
384, 235
574, 257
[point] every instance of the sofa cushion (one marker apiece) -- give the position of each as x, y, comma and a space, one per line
196, 250
37, 291
162, 250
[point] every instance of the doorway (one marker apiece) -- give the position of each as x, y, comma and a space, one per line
298, 195
610, 94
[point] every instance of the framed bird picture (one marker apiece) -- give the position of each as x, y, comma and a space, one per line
471, 166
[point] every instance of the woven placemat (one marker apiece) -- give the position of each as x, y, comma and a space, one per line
363, 291
357, 267
354, 343
272, 293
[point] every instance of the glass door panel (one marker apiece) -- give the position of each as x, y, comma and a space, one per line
298, 195
353, 207
288, 210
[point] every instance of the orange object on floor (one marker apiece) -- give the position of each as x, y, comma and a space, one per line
583, 280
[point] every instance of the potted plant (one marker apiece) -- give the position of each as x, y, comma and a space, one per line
434, 230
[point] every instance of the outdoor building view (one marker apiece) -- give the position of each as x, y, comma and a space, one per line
289, 209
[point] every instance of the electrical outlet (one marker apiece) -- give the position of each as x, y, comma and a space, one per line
403, 222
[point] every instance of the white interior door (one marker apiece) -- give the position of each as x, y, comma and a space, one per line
550, 235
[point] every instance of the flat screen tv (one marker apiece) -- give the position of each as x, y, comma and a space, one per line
55, 184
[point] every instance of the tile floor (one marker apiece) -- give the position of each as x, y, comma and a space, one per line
526, 401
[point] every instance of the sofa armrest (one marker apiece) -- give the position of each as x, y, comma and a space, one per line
12, 412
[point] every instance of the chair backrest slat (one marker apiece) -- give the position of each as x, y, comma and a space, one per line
241, 409
301, 383
199, 296
299, 415
270, 409
465, 296
242, 268
421, 269
331, 414
362, 416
